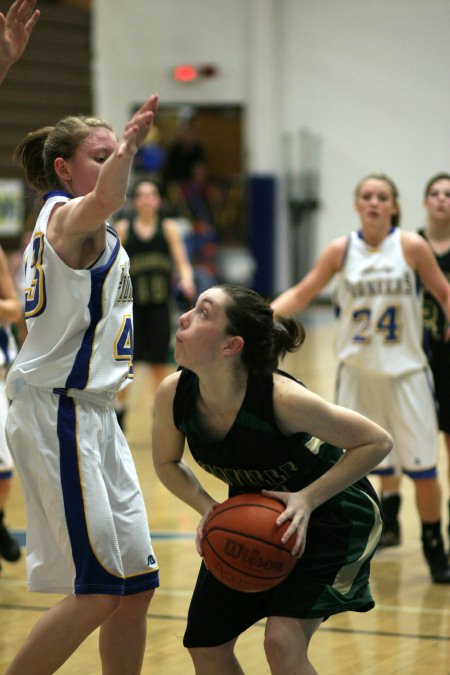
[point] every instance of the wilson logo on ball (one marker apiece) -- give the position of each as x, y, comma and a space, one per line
251, 557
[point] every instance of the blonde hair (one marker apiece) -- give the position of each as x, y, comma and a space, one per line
37, 152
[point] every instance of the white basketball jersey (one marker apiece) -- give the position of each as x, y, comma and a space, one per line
79, 320
379, 307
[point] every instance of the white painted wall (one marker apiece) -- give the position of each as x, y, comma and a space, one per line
371, 78
368, 77
137, 43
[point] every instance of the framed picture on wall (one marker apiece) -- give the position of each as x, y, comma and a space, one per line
11, 207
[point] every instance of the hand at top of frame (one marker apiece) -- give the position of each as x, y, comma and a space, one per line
15, 31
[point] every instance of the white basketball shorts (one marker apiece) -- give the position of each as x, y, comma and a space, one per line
87, 529
405, 407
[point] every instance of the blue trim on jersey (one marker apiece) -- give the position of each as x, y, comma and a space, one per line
383, 472
360, 233
79, 375
88, 571
4, 475
415, 475
56, 193
90, 575
421, 474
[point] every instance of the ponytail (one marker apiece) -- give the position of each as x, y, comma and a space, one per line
265, 341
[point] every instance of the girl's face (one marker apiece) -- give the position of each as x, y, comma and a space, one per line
375, 202
437, 201
84, 166
201, 335
147, 197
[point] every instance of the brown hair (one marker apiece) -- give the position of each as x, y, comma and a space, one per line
433, 180
265, 340
395, 219
37, 152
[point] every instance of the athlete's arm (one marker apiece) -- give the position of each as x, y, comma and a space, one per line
298, 409
180, 258
168, 447
299, 296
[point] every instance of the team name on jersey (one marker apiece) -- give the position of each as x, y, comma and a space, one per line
274, 478
381, 286
125, 290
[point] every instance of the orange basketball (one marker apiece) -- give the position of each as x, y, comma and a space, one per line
242, 543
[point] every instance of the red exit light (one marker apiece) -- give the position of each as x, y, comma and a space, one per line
185, 73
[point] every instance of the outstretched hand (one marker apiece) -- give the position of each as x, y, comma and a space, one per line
137, 128
15, 31
298, 512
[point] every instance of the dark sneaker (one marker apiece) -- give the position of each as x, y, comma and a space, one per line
390, 506
390, 538
437, 560
441, 576
9, 547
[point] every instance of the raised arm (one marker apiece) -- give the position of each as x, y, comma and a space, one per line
15, 31
299, 296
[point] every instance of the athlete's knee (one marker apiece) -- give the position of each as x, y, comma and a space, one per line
286, 643
135, 605
276, 646
99, 605
202, 658
211, 659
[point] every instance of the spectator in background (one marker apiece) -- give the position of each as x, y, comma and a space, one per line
150, 158
182, 154
200, 199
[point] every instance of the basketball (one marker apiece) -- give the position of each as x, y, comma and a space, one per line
242, 543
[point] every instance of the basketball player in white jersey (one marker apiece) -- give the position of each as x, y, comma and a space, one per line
15, 30
87, 529
383, 370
